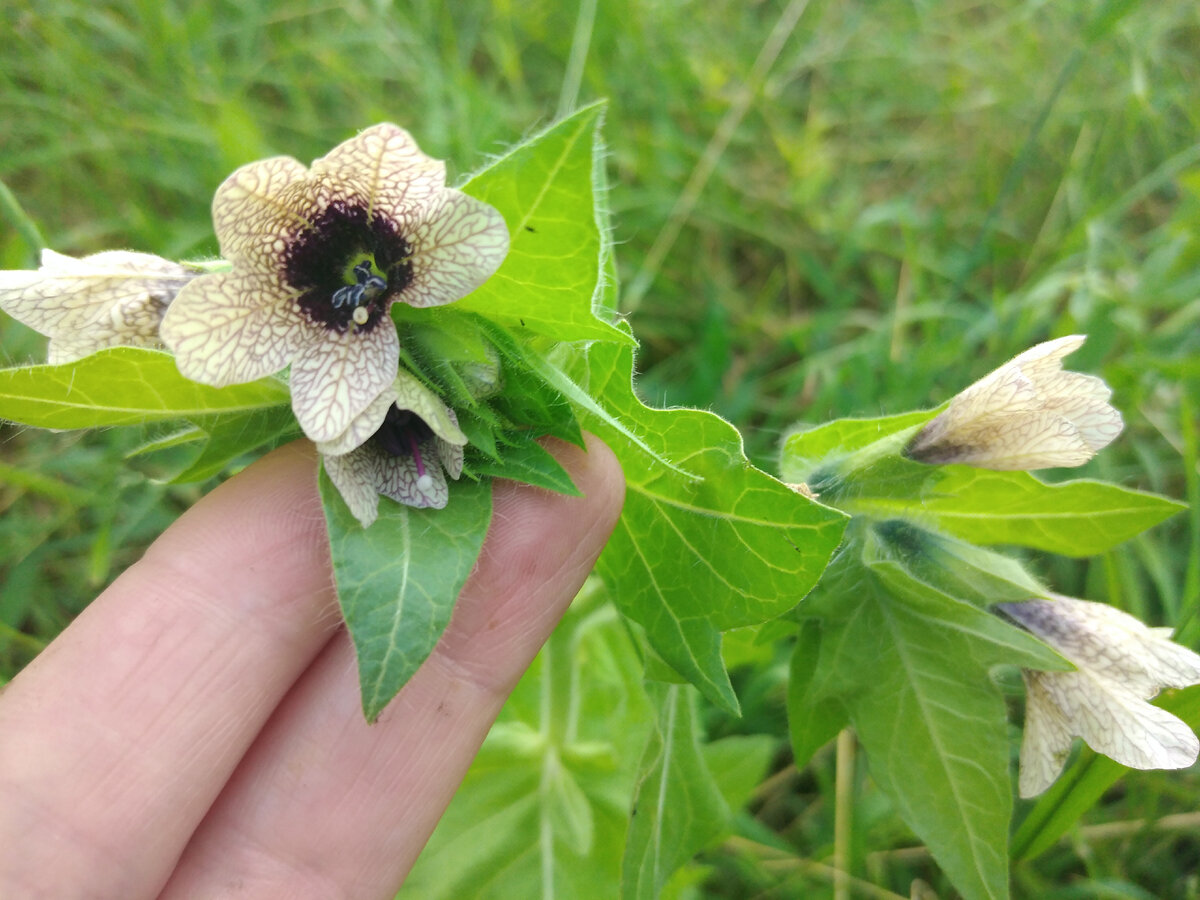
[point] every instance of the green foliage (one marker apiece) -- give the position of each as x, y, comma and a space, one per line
677, 806
123, 386
908, 199
546, 802
398, 580
677, 561
907, 666
543, 188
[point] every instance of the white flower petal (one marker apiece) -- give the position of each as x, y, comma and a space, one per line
1114, 721
1121, 663
1047, 739
361, 427
337, 376
1110, 642
1083, 399
110, 299
383, 169
457, 247
228, 328
353, 474
1027, 414
451, 454
256, 207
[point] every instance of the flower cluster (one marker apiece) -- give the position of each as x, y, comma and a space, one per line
1120, 663
317, 256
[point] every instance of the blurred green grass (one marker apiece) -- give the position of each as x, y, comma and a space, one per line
913, 193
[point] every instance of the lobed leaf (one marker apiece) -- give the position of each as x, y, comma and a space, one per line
228, 437
697, 554
544, 188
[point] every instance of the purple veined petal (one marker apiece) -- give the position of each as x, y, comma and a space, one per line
256, 207
401, 478
458, 246
354, 475
337, 376
361, 427
229, 328
383, 170
1109, 643
1027, 414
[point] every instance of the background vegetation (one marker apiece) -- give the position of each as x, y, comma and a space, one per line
822, 209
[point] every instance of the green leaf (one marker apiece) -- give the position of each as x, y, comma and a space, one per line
813, 720
1075, 518
123, 386
678, 808
738, 764
398, 580
1084, 782
529, 462
937, 740
692, 557
544, 189
231, 436
909, 664
808, 454
556, 773
973, 574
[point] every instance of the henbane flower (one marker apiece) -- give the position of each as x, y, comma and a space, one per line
402, 446
111, 299
319, 256
1120, 664
1027, 414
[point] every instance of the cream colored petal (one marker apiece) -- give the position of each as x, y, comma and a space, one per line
104, 300
353, 474
1046, 742
412, 395
456, 247
1119, 724
1046, 356
452, 458
1109, 642
1083, 399
1027, 414
337, 376
451, 455
400, 479
382, 169
257, 206
362, 427
229, 328
1032, 440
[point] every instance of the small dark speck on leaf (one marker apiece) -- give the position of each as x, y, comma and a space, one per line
530, 228
522, 321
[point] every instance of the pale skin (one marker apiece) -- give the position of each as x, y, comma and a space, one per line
197, 730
